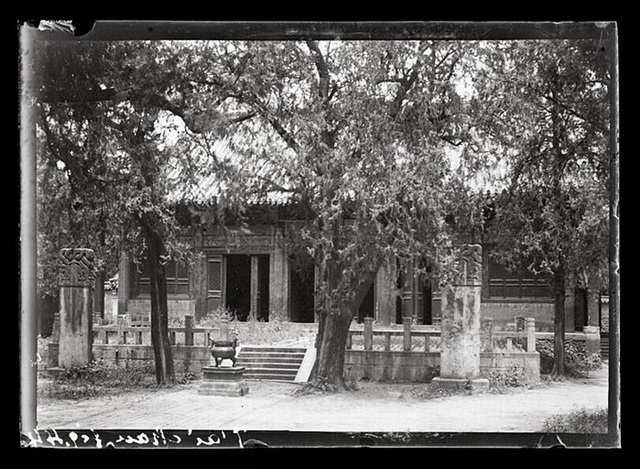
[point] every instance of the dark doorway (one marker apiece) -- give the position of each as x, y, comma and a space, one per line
302, 293
367, 306
238, 292
263, 288
580, 309
425, 285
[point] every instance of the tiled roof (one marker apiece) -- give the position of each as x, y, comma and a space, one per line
208, 187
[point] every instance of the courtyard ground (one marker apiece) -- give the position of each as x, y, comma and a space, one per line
374, 407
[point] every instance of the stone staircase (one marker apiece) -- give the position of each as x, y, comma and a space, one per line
271, 363
604, 345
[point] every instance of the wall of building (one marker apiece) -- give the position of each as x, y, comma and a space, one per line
503, 313
178, 308
265, 239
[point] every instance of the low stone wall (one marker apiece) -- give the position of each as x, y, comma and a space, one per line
378, 365
186, 358
423, 366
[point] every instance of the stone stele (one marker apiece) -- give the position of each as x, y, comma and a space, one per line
76, 280
460, 334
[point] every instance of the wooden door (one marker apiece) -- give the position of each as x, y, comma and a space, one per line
215, 282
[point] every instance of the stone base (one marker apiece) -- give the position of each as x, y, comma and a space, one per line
53, 372
223, 381
477, 384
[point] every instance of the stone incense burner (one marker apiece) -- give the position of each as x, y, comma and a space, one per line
221, 349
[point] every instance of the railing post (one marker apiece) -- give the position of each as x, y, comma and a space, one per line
427, 340
368, 333
120, 330
188, 330
387, 341
139, 338
172, 337
509, 344
406, 342
531, 334
349, 339
487, 335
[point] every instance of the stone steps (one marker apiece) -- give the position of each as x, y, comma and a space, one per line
604, 346
271, 363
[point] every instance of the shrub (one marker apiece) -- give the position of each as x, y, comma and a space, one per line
578, 421
96, 378
577, 360
503, 380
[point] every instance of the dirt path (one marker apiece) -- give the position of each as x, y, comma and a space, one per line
375, 407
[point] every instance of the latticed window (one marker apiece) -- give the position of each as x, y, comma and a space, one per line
520, 283
215, 275
177, 279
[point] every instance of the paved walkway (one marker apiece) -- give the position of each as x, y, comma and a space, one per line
375, 407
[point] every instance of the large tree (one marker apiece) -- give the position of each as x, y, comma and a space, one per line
111, 156
356, 135
543, 106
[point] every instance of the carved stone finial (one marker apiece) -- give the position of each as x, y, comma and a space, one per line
470, 265
76, 267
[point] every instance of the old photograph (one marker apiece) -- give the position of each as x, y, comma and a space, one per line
319, 234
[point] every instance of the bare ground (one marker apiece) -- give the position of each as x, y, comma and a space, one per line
373, 407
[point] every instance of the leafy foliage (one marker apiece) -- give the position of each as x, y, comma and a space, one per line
501, 381
577, 360
96, 379
582, 420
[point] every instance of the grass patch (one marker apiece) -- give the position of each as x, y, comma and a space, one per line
578, 421
96, 379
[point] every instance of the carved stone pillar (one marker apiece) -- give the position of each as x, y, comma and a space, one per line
76, 280
460, 333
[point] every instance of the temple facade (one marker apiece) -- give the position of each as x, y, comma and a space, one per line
252, 274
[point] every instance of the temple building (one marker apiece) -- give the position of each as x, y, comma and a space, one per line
252, 273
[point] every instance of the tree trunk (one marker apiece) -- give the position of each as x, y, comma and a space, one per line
333, 329
162, 352
330, 361
558, 281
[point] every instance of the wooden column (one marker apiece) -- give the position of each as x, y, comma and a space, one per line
279, 284
253, 313
406, 334
385, 289
124, 284
407, 290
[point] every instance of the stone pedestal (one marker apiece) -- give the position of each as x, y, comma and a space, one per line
223, 381
76, 281
592, 342
460, 326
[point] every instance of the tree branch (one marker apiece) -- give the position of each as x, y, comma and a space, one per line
323, 71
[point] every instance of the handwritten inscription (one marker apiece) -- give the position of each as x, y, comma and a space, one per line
120, 439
